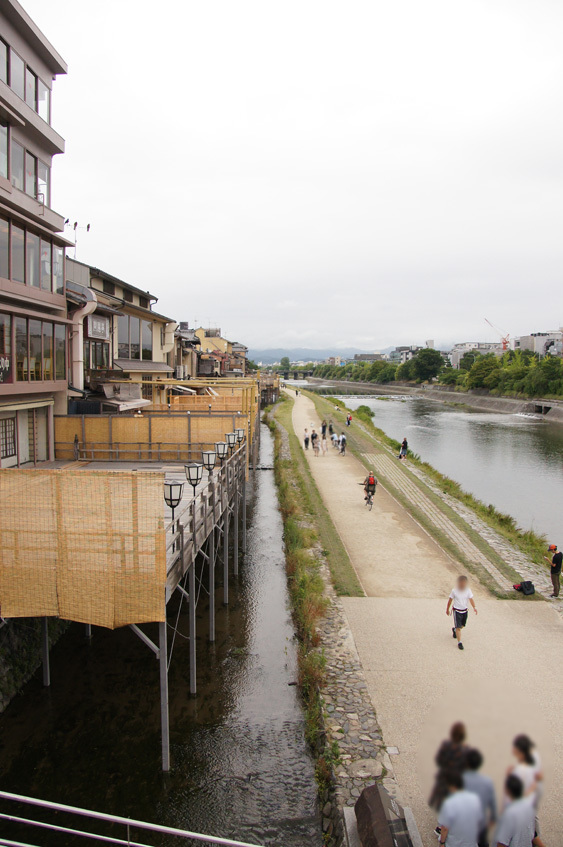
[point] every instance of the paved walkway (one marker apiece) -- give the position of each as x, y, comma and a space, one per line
507, 679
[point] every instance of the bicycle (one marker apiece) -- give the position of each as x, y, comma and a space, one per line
369, 497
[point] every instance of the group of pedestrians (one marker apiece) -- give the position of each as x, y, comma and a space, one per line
319, 443
465, 798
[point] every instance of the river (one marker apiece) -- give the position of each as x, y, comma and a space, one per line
240, 764
514, 462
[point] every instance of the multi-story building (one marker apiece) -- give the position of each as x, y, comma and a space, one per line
186, 353
542, 343
117, 337
458, 351
33, 313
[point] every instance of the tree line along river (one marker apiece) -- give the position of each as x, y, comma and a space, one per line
514, 462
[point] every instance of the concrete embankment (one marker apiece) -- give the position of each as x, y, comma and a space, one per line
551, 410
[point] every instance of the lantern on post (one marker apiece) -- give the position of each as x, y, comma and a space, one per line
209, 457
194, 474
231, 438
240, 435
222, 449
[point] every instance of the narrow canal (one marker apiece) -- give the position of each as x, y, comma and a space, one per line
241, 768
514, 462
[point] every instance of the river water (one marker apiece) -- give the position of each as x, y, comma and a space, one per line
514, 462
240, 764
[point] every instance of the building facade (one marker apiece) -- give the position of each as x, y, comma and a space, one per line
542, 343
33, 313
458, 351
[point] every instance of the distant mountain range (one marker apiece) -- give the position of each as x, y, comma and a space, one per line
302, 354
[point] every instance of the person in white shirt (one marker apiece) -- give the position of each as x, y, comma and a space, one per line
461, 817
458, 602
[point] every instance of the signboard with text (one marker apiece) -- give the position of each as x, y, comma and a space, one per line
98, 327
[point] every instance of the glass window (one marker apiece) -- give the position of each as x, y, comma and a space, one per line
35, 355
17, 74
43, 101
146, 340
58, 270
123, 336
31, 89
5, 348
30, 175
21, 349
4, 248
134, 331
7, 438
3, 61
32, 260
43, 182
100, 355
18, 154
60, 351
4, 149
18, 254
46, 281
47, 351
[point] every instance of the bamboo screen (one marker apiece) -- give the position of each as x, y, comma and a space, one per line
85, 546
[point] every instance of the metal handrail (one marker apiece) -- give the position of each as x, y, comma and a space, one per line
102, 816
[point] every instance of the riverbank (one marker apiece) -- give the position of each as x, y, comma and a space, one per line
551, 410
418, 682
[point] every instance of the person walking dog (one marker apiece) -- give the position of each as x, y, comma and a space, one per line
459, 598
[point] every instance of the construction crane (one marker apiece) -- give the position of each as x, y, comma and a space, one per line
504, 336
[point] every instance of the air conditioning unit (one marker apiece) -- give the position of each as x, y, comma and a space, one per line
179, 372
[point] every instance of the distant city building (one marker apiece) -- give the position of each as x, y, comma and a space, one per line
542, 343
333, 361
458, 351
369, 357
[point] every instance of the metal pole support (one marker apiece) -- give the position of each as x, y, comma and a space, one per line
226, 555
45, 647
164, 716
89, 631
235, 524
192, 607
211, 566
243, 511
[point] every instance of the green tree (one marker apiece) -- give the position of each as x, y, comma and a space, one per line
387, 374
285, 364
427, 364
468, 360
406, 372
483, 369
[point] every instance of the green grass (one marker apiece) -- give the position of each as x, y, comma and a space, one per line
375, 440
343, 575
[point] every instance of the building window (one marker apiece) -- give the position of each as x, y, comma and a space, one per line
58, 270
47, 351
4, 249
108, 287
31, 89
32, 260
123, 337
35, 356
4, 149
43, 183
134, 337
5, 348
143, 301
43, 101
22, 369
7, 438
17, 74
146, 339
127, 296
99, 355
60, 351
3, 61
30, 175
46, 278
18, 254
18, 159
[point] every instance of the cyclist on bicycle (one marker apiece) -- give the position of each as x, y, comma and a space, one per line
370, 484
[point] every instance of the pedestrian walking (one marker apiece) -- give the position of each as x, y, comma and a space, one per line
461, 818
342, 443
348, 419
458, 601
516, 827
315, 442
450, 758
324, 445
555, 559
335, 439
528, 768
404, 449
323, 428
484, 788
306, 438
330, 427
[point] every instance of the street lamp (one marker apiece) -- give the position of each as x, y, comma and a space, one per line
240, 435
194, 473
222, 449
209, 457
173, 490
231, 440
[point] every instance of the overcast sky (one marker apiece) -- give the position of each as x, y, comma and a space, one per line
308, 173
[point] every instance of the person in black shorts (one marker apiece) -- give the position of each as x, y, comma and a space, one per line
555, 561
459, 599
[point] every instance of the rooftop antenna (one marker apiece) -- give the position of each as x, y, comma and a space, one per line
76, 227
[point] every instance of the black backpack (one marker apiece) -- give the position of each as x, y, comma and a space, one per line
526, 587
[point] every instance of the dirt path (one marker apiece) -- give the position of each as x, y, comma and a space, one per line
506, 681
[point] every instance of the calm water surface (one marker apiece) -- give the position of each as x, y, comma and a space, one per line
514, 462
241, 767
